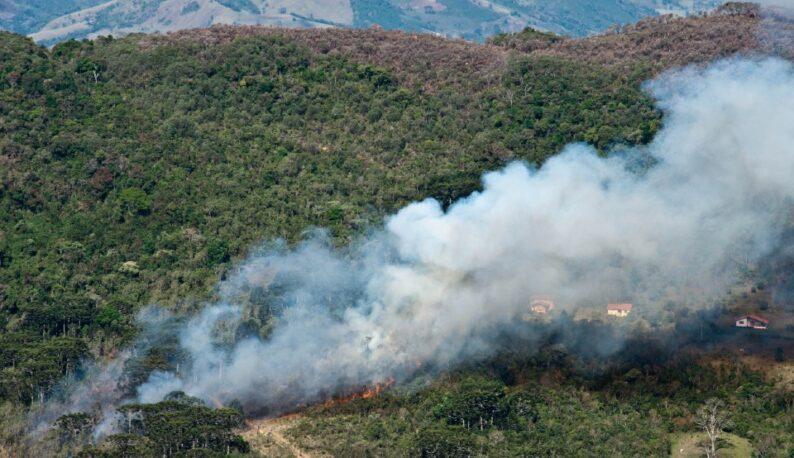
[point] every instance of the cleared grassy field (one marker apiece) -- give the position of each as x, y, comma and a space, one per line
689, 445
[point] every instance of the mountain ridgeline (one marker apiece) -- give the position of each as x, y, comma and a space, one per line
51, 21
138, 170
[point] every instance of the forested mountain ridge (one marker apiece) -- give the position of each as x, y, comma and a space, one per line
49, 22
668, 41
137, 170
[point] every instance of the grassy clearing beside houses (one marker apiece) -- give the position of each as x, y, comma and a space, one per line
688, 445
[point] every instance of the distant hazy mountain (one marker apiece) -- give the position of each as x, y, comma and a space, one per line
49, 21
26, 16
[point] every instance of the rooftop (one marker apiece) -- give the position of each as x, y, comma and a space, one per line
754, 317
622, 307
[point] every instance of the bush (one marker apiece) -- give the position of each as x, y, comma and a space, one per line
109, 317
217, 252
477, 403
135, 201
442, 442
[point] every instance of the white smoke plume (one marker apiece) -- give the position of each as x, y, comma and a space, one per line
776, 3
775, 32
433, 286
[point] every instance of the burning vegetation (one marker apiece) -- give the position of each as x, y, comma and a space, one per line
429, 300
442, 286
369, 392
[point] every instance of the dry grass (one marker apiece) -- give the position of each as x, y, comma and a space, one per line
779, 373
267, 437
688, 445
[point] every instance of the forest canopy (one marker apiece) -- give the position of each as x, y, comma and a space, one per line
136, 171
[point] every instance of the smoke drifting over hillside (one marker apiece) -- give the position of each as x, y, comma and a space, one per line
433, 287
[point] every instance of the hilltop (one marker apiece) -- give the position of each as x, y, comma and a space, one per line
670, 41
140, 170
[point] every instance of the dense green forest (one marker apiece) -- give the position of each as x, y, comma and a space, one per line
137, 171
136, 175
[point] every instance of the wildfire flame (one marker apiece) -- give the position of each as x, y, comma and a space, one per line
367, 393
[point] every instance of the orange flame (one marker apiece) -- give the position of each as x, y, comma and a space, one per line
367, 393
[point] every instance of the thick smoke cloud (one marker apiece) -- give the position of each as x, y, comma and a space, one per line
434, 287
776, 3
775, 32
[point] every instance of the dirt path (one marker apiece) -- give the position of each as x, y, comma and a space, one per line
267, 437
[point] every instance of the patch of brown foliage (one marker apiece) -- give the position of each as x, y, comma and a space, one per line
420, 59
669, 41
432, 62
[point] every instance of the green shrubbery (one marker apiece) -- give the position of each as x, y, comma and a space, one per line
135, 175
177, 426
480, 415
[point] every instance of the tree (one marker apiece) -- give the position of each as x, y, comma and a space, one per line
74, 429
712, 418
217, 252
180, 424
436, 441
135, 201
109, 317
477, 404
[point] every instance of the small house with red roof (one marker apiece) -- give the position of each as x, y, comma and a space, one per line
752, 321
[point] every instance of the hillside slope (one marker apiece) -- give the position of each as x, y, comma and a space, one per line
138, 170
669, 41
28, 16
188, 149
469, 19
